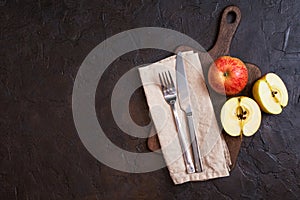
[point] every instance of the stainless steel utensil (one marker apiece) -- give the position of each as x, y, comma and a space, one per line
170, 95
185, 104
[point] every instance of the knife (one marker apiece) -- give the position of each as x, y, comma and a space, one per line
185, 105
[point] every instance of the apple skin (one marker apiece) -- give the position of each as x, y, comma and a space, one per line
228, 75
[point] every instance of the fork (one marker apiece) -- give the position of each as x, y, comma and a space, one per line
170, 95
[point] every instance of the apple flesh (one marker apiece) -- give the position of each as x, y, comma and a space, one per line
270, 93
240, 116
228, 75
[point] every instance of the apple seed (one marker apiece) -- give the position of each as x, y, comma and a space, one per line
241, 113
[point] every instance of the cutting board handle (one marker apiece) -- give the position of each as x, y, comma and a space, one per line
231, 18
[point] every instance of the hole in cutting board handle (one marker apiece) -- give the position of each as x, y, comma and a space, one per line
231, 17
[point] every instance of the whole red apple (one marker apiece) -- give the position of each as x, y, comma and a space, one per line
228, 75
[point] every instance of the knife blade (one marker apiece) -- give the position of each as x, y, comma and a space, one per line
185, 105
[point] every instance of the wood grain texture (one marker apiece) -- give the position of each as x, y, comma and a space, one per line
230, 20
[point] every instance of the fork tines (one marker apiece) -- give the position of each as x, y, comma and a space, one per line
165, 80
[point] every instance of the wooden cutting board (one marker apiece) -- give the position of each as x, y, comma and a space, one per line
230, 20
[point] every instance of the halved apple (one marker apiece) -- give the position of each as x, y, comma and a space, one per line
270, 93
240, 115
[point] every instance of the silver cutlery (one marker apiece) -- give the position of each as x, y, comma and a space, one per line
185, 105
170, 95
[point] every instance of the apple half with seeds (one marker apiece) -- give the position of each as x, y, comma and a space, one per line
270, 93
240, 116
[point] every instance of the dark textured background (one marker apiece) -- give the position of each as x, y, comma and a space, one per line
43, 43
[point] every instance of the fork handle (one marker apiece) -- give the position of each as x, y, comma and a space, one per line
190, 168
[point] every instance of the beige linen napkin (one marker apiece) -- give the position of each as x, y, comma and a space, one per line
214, 151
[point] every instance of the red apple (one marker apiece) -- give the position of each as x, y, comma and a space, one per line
228, 75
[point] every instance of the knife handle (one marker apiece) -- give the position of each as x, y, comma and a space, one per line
190, 168
195, 146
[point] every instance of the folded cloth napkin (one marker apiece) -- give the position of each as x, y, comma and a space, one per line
214, 151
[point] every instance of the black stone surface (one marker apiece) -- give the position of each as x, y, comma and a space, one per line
43, 44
